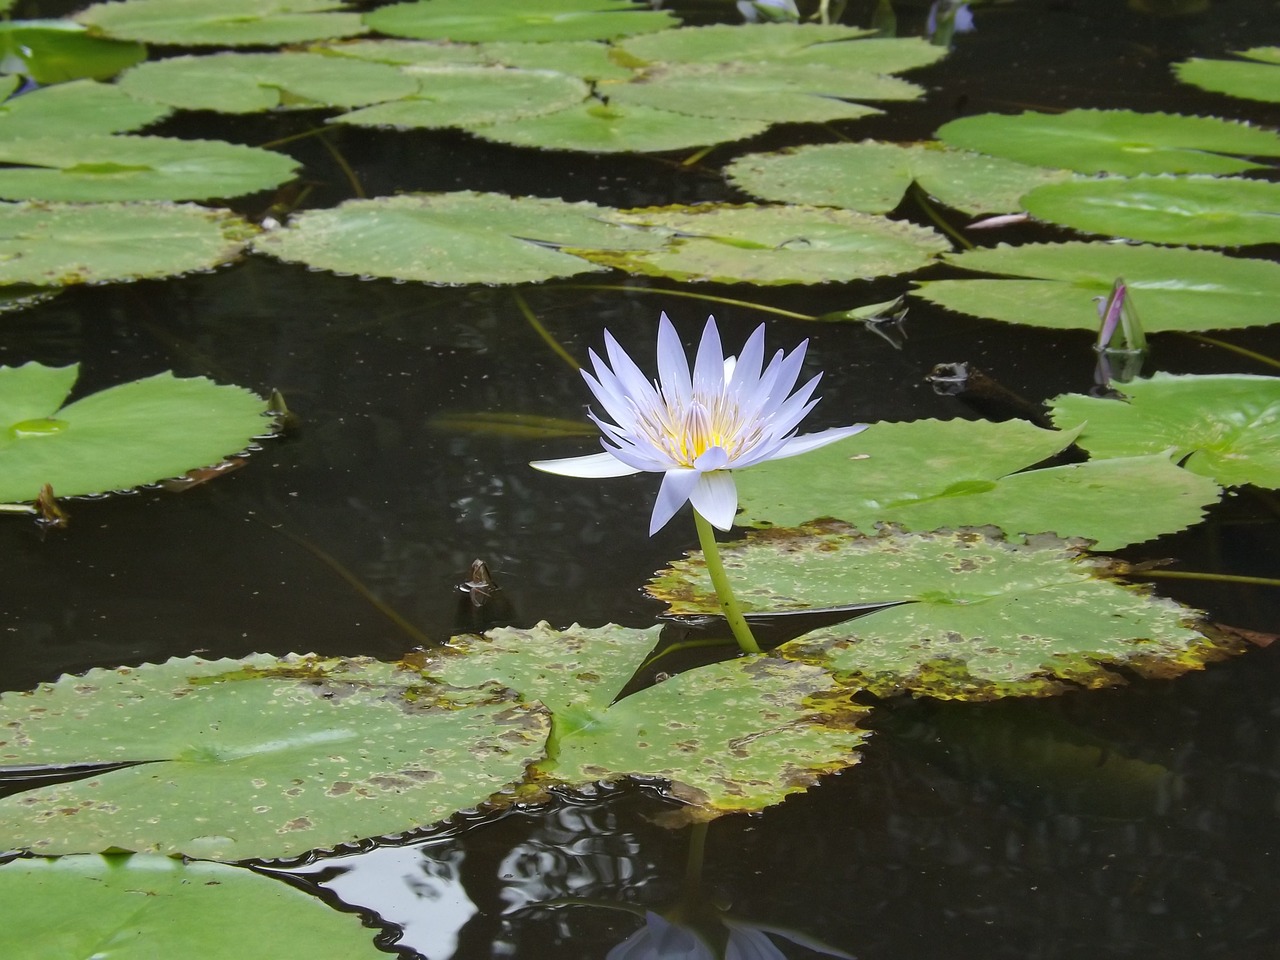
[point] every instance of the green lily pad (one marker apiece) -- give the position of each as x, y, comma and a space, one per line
598, 127
75, 109
55, 51
99, 168
252, 82
1197, 211
585, 59
985, 618
403, 53
120, 438
776, 245
460, 96
1256, 80
1115, 141
756, 730
144, 906
1223, 426
1173, 288
261, 757
452, 238
927, 474
465, 21
844, 48
54, 244
873, 177
222, 23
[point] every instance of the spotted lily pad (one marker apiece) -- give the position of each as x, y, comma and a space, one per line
75, 109
466, 21
261, 757
1197, 211
1255, 78
984, 617
1224, 426
733, 736
94, 168
928, 474
873, 177
1173, 288
1115, 141
120, 438
453, 238
776, 245
145, 906
55, 244
251, 82
222, 23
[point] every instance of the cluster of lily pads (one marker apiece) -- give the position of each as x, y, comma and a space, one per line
978, 562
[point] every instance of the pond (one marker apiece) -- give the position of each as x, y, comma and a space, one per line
1136, 819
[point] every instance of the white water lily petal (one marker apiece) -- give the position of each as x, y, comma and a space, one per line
812, 441
677, 486
593, 465
716, 497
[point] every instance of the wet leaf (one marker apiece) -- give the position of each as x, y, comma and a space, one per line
1255, 78
262, 757
1196, 211
464, 21
120, 438
1224, 426
222, 23
75, 109
988, 617
1173, 288
1115, 141
55, 51
927, 474
54, 244
143, 907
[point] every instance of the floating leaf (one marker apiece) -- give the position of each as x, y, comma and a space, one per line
1223, 426
873, 177
465, 21
250, 82
988, 617
452, 238
771, 44
1259, 80
123, 437
142, 907
404, 52
754, 731
1174, 289
460, 96
53, 244
93, 168
775, 245
261, 757
585, 59
928, 474
55, 51
1198, 211
1115, 141
75, 109
222, 23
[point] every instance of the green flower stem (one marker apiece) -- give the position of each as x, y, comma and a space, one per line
719, 580
690, 295
1216, 577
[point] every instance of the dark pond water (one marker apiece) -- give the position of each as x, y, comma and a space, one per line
1138, 823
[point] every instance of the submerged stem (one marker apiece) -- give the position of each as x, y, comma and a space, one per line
719, 580
1193, 575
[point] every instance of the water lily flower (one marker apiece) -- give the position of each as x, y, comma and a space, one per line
660, 939
695, 427
769, 11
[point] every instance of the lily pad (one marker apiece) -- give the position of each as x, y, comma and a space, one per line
1173, 288
755, 730
1197, 211
99, 168
1115, 141
845, 48
986, 617
585, 59
54, 244
120, 438
142, 907
1223, 426
1255, 78
461, 96
927, 474
530, 20
453, 238
776, 245
75, 109
252, 82
56, 51
222, 23
261, 757
873, 177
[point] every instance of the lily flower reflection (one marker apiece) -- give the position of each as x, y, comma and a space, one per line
694, 427
661, 939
